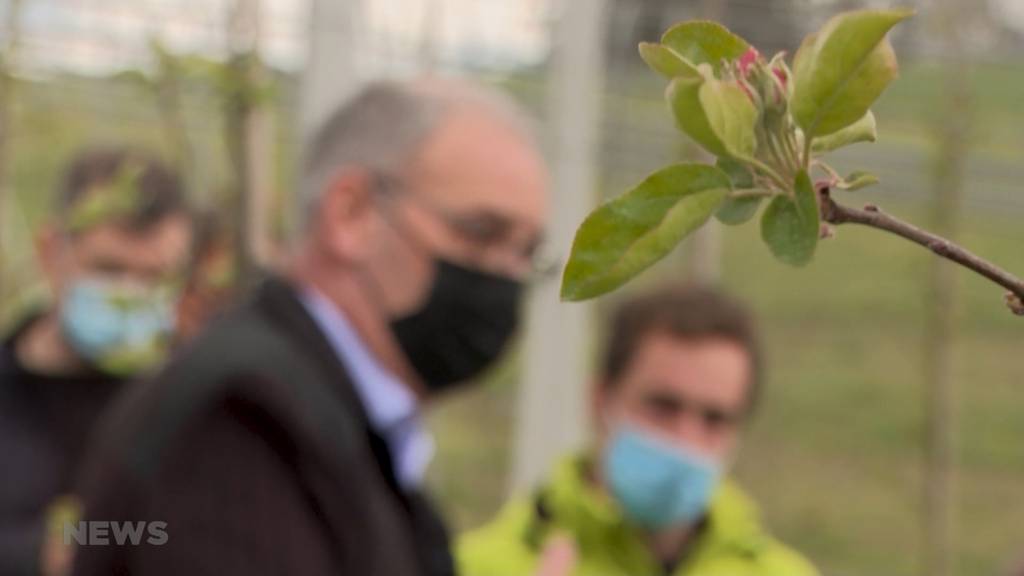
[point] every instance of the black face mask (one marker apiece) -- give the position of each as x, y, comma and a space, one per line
462, 328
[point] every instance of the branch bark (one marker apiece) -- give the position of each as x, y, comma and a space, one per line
834, 213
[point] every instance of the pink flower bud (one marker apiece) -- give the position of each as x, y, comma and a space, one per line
747, 60
781, 75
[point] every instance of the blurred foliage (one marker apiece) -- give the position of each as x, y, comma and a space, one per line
57, 116
107, 202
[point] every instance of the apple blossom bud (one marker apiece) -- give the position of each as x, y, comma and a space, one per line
748, 59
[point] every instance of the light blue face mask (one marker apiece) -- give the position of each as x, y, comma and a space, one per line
658, 484
122, 330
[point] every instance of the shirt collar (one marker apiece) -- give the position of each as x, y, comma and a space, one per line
387, 400
390, 406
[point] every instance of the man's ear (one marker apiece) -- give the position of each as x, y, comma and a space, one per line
345, 217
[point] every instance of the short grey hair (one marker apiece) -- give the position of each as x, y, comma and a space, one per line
384, 125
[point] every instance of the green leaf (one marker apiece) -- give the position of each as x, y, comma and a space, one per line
739, 173
857, 180
717, 114
842, 69
666, 62
735, 211
863, 130
683, 95
107, 201
731, 115
630, 233
790, 226
703, 42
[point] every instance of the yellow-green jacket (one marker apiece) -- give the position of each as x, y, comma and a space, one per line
732, 543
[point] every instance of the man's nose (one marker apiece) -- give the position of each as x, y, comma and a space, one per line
690, 430
510, 262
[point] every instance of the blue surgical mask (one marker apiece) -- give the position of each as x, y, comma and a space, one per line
121, 329
656, 483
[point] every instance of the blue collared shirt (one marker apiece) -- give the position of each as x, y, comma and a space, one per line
390, 405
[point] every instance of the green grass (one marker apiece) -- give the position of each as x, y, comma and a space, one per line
912, 104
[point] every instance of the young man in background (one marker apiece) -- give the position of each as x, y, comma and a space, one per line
680, 377
110, 259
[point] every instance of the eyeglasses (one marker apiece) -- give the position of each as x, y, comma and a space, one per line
484, 232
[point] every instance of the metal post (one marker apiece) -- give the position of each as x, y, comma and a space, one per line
950, 159
250, 126
552, 402
704, 248
336, 66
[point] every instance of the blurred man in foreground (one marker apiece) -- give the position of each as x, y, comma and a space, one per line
286, 439
111, 259
680, 377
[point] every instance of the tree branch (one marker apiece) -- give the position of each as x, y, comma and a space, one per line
835, 213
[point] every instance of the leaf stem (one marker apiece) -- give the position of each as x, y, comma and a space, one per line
753, 193
771, 173
790, 144
828, 170
871, 216
773, 148
792, 160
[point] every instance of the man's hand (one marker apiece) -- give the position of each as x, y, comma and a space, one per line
56, 556
559, 557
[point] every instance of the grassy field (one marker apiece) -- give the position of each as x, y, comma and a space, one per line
835, 454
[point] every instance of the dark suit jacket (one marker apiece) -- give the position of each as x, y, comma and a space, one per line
254, 449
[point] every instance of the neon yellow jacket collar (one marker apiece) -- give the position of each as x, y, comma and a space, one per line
732, 542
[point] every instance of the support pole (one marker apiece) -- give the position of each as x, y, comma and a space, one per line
250, 140
953, 144
552, 415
